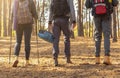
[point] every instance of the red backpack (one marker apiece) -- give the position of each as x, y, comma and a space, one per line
100, 7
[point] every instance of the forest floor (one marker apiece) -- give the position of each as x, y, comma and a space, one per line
82, 50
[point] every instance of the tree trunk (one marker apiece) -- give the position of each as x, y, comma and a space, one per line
9, 18
118, 22
80, 24
0, 17
4, 18
114, 26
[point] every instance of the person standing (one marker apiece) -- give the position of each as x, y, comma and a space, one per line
101, 11
59, 15
23, 13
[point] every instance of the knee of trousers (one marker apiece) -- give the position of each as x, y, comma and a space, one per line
107, 34
17, 44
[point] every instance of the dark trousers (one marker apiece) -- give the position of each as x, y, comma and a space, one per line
102, 24
61, 24
25, 29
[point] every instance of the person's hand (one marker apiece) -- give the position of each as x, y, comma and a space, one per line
50, 26
73, 26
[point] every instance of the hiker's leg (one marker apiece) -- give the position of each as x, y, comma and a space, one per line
19, 33
56, 34
106, 24
98, 35
66, 32
27, 39
107, 31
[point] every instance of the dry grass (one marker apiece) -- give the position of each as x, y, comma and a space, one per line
83, 66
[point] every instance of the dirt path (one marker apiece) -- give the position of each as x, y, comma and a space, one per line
82, 53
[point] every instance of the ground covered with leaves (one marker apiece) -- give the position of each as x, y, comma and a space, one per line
82, 50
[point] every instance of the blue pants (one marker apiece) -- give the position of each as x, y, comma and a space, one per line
61, 24
102, 24
25, 29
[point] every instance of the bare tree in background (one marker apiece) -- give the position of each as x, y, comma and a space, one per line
9, 17
80, 24
114, 26
4, 18
0, 16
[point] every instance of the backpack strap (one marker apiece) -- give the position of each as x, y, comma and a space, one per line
98, 1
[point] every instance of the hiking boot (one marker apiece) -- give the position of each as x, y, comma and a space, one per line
68, 60
27, 63
107, 60
97, 60
56, 62
15, 63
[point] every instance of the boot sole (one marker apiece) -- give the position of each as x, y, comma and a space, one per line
97, 63
15, 63
106, 63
